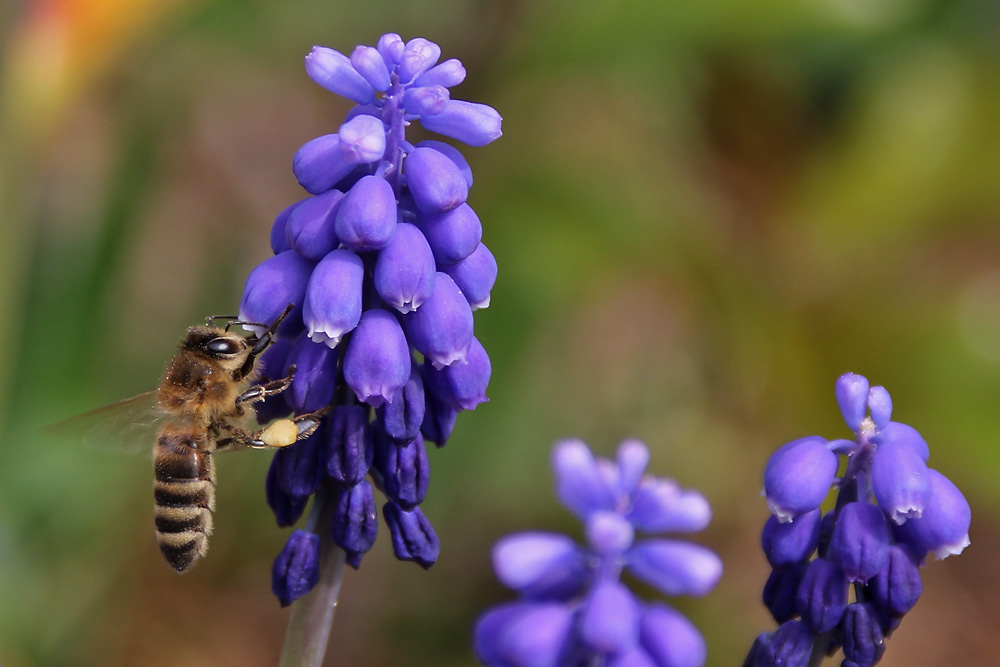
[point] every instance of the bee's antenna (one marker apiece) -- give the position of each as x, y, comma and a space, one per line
212, 318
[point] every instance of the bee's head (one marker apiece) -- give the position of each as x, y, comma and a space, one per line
229, 350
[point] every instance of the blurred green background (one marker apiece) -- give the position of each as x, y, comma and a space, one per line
703, 214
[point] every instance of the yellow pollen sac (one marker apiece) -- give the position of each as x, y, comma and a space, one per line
280, 434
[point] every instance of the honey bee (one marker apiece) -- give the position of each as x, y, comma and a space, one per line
201, 405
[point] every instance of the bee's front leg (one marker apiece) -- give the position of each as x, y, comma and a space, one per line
262, 391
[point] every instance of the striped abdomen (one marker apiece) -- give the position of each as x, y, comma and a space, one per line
184, 489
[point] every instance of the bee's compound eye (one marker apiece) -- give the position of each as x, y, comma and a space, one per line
222, 347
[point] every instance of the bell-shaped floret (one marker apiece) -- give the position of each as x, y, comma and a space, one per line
441, 329
449, 73
852, 397
453, 235
609, 618
540, 565
426, 100
453, 154
860, 541
377, 362
822, 596
333, 299
413, 536
315, 375
471, 123
435, 182
334, 71
276, 282
404, 469
354, 526
670, 639
401, 419
390, 46
310, 230
296, 569
475, 276
279, 238
781, 590
791, 542
896, 432
370, 64
898, 586
439, 418
350, 448
405, 269
675, 567
533, 634
880, 406
366, 218
320, 163
579, 484
418, 56
463, 385
798, 477
900, 480
943, 528
661, 505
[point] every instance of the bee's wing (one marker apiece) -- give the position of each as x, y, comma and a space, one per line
128, 425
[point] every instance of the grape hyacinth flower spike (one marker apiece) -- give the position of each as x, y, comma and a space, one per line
891, 512
573, 607
384, 263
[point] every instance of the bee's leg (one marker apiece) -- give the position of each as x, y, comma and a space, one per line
262, 391
260, 345
281, 433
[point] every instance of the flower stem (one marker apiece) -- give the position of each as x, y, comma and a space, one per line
312, 616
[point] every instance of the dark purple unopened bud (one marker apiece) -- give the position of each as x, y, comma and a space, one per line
333, 70
279, 239
310, 226
300, 465
792, 542
366, 218
675, 567
475, 276
333, 299
579, 483
418, 56
272, 366
898, 586
296, 569
436, 183
864, 642
609, 618
669, 638
860, 541
453, 235
350, 449
320, 163
355, 523
413, 536
852, 397
405, 470
377, 362
661, 505
449, 73
271, 286
791, 645
462, 385
943, 528
781, 590
390, 46
362, 139
471, 123
425, 101
540, 565
896, 432
405, 270
900, 481
524, 633
287, 509
822, 596
315, 375
441, 329
368, 62
798, 477
401, 419
453, 154
439, 419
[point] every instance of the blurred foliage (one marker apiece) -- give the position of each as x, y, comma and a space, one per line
703, 214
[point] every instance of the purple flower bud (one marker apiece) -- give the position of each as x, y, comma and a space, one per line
279, 240
418, 56
475, 276
350, 448
453, 235
896, 432
864, 642
540, 565
471, 123
675, 567
608, 533
897, 587
287, 509
880, 405
366, 218
377, 362
315, 375
296, 569
271, 286
368, 62
822, 596
660, 505
272, 366
449, 73
943, 528
362, 139
860, 541
390, 46
462, 385
524, 633
425, 101
453, 154
781, 590
320, 163
435, 182
670, 639
798, 477
413, 536
852, 396
355, 525
333, 70
333, 299
405, 269
299, 467
401, 419
404, 469
441, 329
791, 645
900, 480
609, 618
439, 419
310, 229
632, 457
579, 485
792, 542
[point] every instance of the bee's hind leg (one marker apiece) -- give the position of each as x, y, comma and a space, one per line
281, 433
